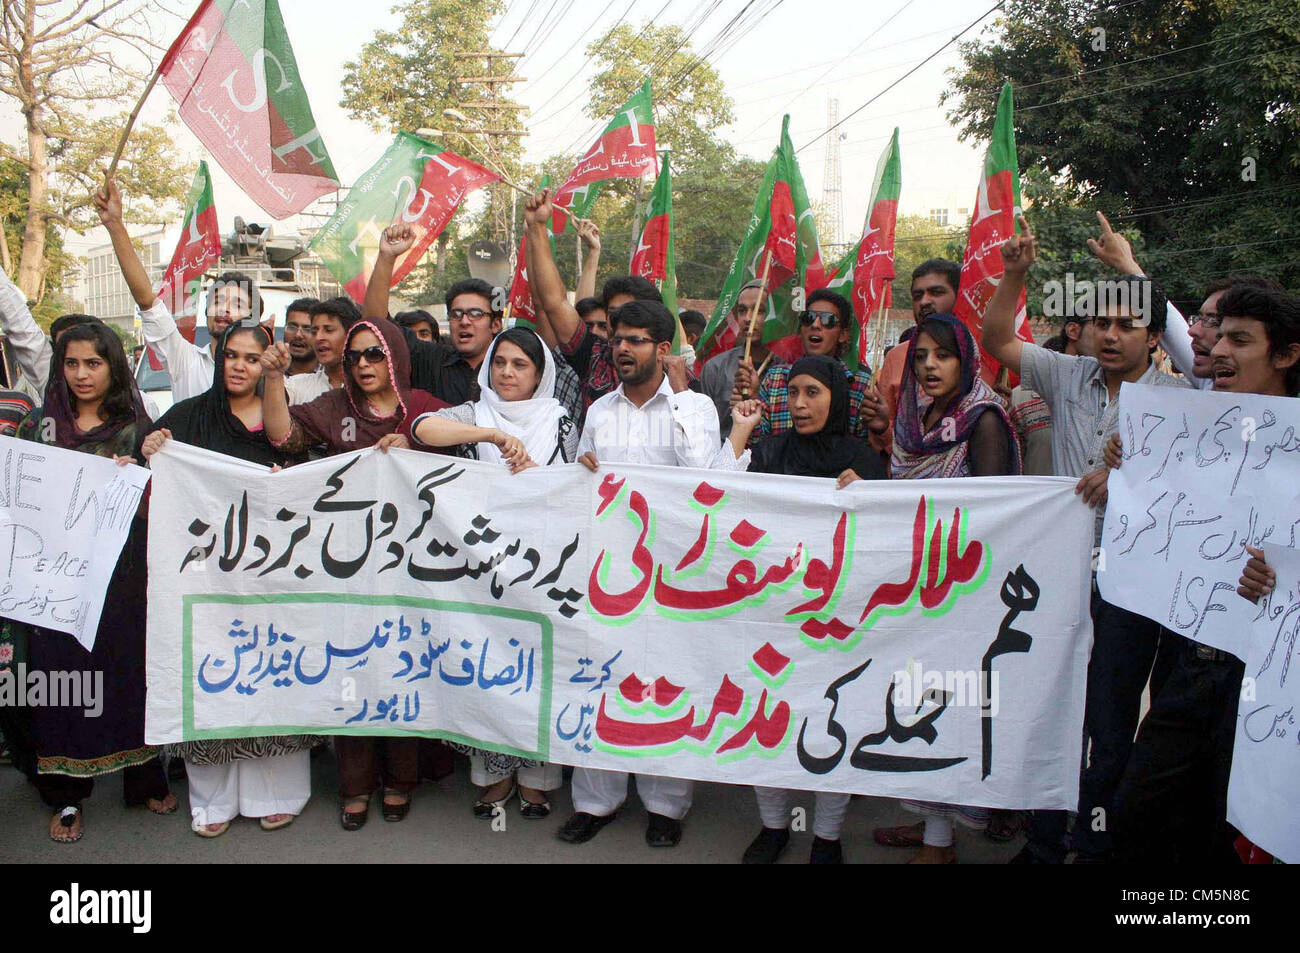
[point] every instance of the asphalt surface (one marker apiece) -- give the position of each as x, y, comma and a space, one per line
439, 829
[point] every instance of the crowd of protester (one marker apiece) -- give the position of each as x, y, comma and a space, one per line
597, 382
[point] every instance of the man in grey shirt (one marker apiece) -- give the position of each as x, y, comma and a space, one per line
1083, 394
719, 377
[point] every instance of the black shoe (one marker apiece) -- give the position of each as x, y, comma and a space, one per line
663, 831
767, 846
582, 827
826, 852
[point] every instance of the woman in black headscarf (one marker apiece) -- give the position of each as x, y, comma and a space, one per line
819, 445
92, 406
267, 778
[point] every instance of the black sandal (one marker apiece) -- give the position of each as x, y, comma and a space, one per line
395, 812
68, 816
355, 820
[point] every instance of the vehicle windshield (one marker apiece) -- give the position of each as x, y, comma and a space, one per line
150, 376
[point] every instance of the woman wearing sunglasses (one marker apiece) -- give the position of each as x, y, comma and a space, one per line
516, 421
375, 402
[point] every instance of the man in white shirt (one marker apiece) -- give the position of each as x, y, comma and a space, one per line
330, 322
651, 417
233, 297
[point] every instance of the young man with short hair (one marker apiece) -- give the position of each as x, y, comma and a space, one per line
298, 336
652, 417
1172, 804
723, 375
421, 323
592, 313
1083, 394
329, 320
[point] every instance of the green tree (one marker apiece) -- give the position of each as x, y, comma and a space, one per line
59, 57
1178, 119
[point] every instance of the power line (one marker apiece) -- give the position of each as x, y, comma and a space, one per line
953, 39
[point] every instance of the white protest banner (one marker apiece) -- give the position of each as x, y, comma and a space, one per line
921, 639
63, 519
1266, 752
1204, 475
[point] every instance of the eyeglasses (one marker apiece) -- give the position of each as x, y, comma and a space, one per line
474, 314
630, 340
828, 319
1211, 321
373, 355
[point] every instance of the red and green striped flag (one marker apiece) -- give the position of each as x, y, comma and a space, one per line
997, 203
781, 227
655, 256
625, 150
234, 76
198, 249
416, 181
868, 268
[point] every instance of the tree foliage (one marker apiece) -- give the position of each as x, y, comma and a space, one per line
1179, 120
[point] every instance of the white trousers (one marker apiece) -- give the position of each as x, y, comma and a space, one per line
254, 787
939, 832
828, 816
603, 792
545, 777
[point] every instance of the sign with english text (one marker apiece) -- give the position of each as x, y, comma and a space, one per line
919, 639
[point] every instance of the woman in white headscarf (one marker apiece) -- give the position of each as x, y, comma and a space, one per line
515, 420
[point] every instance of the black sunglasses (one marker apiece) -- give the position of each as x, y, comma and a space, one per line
373, 355
828, 319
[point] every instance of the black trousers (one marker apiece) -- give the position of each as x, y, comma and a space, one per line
1172, 803
140, 782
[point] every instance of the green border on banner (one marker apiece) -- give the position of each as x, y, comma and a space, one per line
413, 602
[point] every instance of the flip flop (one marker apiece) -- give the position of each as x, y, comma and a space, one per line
68, 817
202, 829
269, 825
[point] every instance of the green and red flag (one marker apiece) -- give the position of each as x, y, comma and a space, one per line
520, 306
233, 74
655, 256
198, 249
416, 181
866, 272
781, 229
997, 203
625, 150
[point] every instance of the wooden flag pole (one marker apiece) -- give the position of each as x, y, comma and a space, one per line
130, 122
488, 164
878, 348
758, 309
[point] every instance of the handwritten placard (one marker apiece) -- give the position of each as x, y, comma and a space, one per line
63, 519
918, 639
1266, 751
1204, 475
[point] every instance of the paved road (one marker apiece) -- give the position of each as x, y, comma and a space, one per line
440, 827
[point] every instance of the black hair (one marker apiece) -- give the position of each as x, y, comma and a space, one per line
409, 319
1278, 311
693, 321
841, 303
1056, 342
243, 282
476, 286
344, 309
950, 270
65, 321
119, 402
301, 305
1254, 281
943, 335
1158, 305
527, 341
584, 306
649, 316
641, 289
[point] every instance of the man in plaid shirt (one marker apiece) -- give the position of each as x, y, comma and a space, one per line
823, 329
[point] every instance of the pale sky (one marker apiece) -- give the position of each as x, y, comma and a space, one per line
792, 61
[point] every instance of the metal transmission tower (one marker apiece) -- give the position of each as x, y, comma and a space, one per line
832, 185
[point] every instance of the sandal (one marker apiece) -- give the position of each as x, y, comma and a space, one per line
162, 806
395, 812
485, 810
210, 830
68, 817
270, 825
534, 810
355, 820
904, 835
